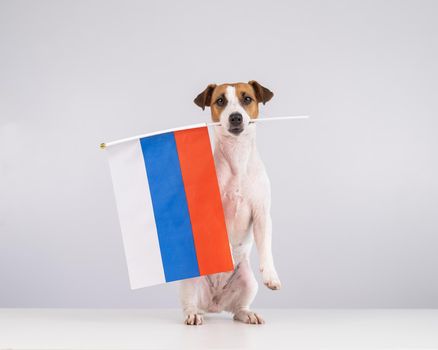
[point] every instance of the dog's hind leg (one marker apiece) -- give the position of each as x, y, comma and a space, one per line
239, 292
190, 297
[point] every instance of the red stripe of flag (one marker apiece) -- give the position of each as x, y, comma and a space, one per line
204, 201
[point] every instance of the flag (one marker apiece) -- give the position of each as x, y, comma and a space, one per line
169, 207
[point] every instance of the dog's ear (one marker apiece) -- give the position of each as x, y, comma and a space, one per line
263, 94
204, 98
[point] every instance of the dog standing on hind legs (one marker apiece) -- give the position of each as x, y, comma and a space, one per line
246, 199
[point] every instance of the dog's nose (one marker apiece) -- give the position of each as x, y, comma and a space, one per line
235, 119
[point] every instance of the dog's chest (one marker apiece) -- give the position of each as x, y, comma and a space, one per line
236, 200
240, 193
241, 177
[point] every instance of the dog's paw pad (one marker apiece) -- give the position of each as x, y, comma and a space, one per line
248, 317
194, 320
271, 280
273, 284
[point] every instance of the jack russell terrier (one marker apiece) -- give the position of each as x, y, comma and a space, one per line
246, 199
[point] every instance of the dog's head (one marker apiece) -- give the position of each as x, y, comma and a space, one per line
234, 105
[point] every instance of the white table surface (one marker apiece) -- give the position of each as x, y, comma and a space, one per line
163, 329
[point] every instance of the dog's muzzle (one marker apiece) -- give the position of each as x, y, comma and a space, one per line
235, 121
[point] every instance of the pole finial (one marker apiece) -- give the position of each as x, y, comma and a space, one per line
102, 145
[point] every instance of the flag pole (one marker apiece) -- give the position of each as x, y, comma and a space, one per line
252, 121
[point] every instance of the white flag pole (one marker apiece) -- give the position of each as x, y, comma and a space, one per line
252, 121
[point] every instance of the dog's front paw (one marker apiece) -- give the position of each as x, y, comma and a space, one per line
194, 319
270, 279
247, 316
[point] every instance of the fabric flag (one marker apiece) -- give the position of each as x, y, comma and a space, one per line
169, 206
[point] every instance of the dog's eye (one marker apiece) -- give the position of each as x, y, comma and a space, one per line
220, 101
247, 100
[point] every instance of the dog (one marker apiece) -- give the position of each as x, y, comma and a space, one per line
246, 198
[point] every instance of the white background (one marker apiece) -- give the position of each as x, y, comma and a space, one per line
355, 194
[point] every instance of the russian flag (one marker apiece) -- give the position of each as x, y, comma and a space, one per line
169, 206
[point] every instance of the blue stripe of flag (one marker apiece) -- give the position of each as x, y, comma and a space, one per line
170, 207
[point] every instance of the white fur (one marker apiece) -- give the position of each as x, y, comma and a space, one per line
246, 199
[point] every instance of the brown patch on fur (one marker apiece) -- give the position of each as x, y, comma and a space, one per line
263, 94
216, 110
254, 90
204, 98
243, 90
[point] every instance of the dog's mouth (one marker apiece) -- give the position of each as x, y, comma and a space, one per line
236, 130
